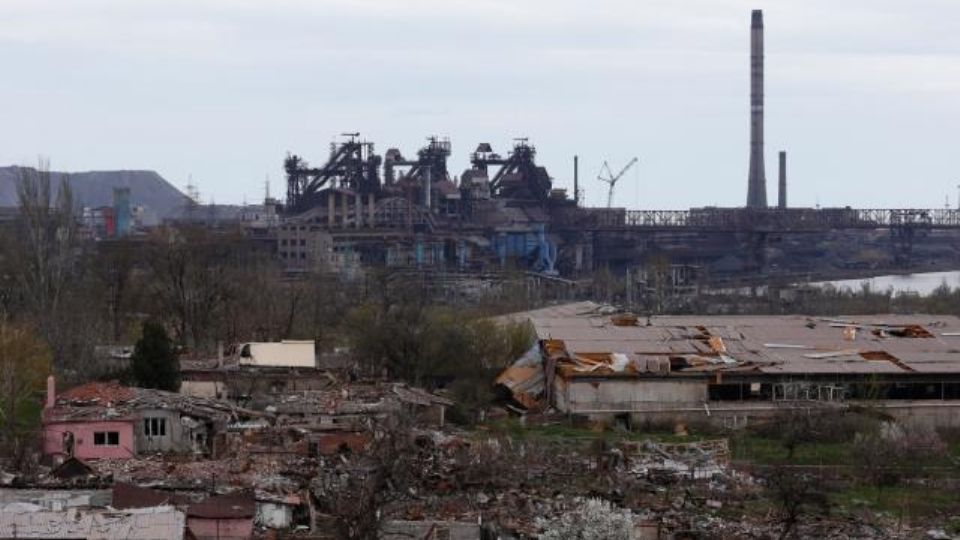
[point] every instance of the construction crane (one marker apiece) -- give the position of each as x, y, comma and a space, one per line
612, 179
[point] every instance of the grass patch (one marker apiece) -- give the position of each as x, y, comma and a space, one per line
513, 428
752, 448
560, 432
910, 501
765, 451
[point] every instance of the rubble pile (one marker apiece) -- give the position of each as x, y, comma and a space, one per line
676, 490
360, 458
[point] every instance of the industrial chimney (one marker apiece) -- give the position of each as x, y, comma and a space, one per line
757, 181
782, 188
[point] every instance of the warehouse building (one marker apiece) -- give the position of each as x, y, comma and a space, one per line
591, 360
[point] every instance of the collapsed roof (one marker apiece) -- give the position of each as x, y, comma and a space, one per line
113, 401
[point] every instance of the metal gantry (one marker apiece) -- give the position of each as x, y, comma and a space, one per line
784, 220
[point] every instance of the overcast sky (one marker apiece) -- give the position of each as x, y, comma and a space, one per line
863, 94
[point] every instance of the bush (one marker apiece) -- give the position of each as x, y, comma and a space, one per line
592, 519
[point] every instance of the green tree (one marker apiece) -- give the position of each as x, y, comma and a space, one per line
436, 347
154, 362
24, 366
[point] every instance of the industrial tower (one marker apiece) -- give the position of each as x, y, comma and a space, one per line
757, 181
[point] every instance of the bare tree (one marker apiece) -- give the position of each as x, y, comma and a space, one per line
114, 267
191, 281
797, 494
47, 266
47, 238
798, 426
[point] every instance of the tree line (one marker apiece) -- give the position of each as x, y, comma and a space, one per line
200, 288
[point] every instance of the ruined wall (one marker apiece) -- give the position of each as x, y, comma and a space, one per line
83, 439
453, 530
735, 415
203, 389
934, 413
220, 529
610, 396
172, 439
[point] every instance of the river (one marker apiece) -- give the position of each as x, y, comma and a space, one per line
923, 283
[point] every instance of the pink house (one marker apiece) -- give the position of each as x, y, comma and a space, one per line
96, 430
107, 420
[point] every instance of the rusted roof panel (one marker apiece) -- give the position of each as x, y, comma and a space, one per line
231, 506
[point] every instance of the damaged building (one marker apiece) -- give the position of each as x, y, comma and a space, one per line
591, 360
361, 208
109, 420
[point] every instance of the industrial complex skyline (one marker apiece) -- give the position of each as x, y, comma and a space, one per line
860, 94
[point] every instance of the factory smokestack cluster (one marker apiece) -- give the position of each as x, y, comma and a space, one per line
757, 181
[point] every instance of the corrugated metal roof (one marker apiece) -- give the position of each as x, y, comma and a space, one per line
586, 327
130, 496
231, 506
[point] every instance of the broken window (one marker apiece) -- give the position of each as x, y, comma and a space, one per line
155, 427
106, 438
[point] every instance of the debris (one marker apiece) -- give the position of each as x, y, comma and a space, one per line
832, 354
786, 346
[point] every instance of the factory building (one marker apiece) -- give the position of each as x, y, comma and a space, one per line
729, 370
364, 209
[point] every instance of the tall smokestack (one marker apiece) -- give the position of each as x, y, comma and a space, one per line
576, 181
782, 188
757, 181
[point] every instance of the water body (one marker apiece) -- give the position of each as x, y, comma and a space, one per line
923, 283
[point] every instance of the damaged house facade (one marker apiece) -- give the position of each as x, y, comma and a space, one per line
256, 374
592, 361
108, 420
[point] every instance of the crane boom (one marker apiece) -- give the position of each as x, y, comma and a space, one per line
626, 168
613, 178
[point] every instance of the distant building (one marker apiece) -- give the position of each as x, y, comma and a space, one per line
305, 246
122, 212
98, 222
260, 216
